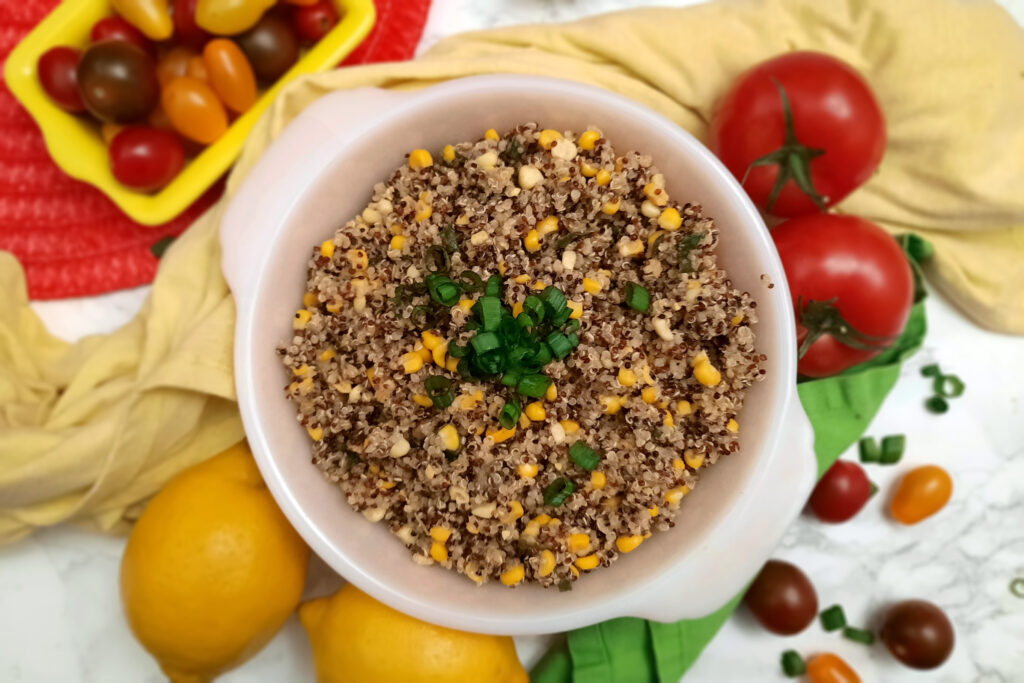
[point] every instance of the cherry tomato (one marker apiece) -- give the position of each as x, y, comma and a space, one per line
782, 598
841, 493
57, 69
301, 3
230, 74
830, 668
118, 81
922, 492
196, 68
194, 109
186, 30
918, 633
146, 158
158, 119
852, 289
313, 22
837, 140
116, 28
271, 48
174, 64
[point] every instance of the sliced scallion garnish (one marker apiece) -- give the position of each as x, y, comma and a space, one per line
450, 239
793, 664
937, 405
833, 618
859, 635
471, 282
948, 386
438, 259
559, 344
558, 491
510, 413
869, 451
554, 300
584, 456
637, 297
892, 449
931, 370
487, 310
493, 286
484, 342
439, 391
535, 307
534, 386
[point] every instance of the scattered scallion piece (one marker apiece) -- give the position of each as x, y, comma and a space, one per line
833, 618
535, 307
1017, 587
637, 297
439, 391
559, 344
555, 301
438, 259
442, 289
793, 664
892, 449
859, 635
869, 450
534, 386
493, 286
584, 456
948, 386
937, 405
471, 282
686, 245
458, 351
931, 370
564, 586
484, 342
510, 413
558, 491
488, 312
450, 239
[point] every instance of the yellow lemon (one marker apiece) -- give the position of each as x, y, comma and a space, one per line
212, 569
359, 640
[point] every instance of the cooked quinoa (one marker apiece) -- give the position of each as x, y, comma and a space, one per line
655, 393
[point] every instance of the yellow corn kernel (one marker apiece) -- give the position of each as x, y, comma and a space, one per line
358, 259
733, 426
420, 159
683, 408
327, 248
737, 320
547, 225
374, 469
707, 374
515, 511
466, 305
547, 563
388, 485
587, 170
315, 433
301, 318
334, 307
422, 352
471, 572
371, 373
588, 562
655, 190
649, 394
452, 364
524, 421
579, 543
440, 534
535, 411
438, 355
397, 242
552, 393
395, 229
302, 371
629, 247
502, 267
469, 401
669, 420
412, 362
309, 300
513, 576
598, 480
670, 219
603, 177
423, 208
532, 241
491, 134
548, 138
675, 495
431, 340
577, 309
542, 519
627, 377
327, 354
611, 207
693, 458
588, 139
627, 544
678, 464
591, 285
570, 426
654, 236
517, 309
653, 511
449, 437
612, 404
448, 153
531, 529
499, 435
422, 400
521, 279
439, 552
575, 572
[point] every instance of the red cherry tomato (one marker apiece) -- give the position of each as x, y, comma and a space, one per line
830, 668
186, 30
116, 28
922, 492
852, 289
194, 109
58, 75
313, 22
841, 493
782, 598
146, 158
838, 135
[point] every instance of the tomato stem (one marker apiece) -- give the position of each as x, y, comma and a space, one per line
823, 317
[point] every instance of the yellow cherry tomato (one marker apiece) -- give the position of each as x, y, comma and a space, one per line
922, 492
230, 74
194, 109
228, 17
152, 17
173, 64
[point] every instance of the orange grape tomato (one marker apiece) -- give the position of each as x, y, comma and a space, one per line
109, 130
301, 3
194, 109
830, 668
197, 69
922, 492
173, 64
230, 74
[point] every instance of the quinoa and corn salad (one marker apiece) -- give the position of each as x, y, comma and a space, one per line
521, 354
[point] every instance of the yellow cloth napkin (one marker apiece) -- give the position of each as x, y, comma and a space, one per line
87, 431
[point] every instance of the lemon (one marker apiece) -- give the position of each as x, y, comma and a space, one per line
212, 569
359, 640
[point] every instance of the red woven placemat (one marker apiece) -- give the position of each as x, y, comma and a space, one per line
71, 239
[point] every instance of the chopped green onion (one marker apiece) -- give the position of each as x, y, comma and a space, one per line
1017, 587
511, 377
450, 239
558, 491
572, 325
439, 391
542, 356
555, 301
487, 310
931, 370
535, 307
471, 282
584, 456
458, 351
442, 289
525, 320
686, 245
955, 386
564, 586
833, 618
420, 316
793, 664
484, 342
859, 635
559, 344
937, 405
493, 286
869, 451
573, 339
892, 449
874, 489
490, 363
637, 297
438, 259
534, 385
510, 413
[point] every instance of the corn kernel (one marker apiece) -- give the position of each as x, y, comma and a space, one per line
491, 134
733, 426
591, 285
422, 352
539, 285
532, 241
524, 421
649, 394
670, 219
683, 408
579, 543
588, 139
675, 495
530, 177
315, 433
612, 404
662, 328
547, 225
358, 259
412, 362
440, 534
542, 519
557, 433
653, 511
513, 576
327, 354
521, 279
669, 420
466, 305
531, 529
420, 159
587, 170
517, 309
422, 400
603, 177
388, 485
334, 307
627, 544
693, 458
548, 138
577, 309
301, 318
439, 552
449, 437
655, 190
479, 237
423, 208
588, 562
397, 242
502, 267
552, 393
628, 247
452, 364
535, 411
400, 447
570, 426
309, 300
611, 207
737, 320
302, 371
627, 377
448, 153
470, 571
327, 248
598, 480
515, 511
487, 161
547, 563
500, 435
575, 572
431, 340
707, 374
469, 401
371, 373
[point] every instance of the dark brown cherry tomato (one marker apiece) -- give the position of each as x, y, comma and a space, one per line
58, 75
918, 633
313, 22
841, 493
116, 28
271, 48
186, 30
146, 158
118, 81
782, 598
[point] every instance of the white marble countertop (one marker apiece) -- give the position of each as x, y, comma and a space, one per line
60, 614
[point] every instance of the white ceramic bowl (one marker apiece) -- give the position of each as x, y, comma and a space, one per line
320, 172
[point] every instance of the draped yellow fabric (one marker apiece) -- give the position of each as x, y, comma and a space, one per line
89, 430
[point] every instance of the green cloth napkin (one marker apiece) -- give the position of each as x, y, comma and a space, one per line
840, 409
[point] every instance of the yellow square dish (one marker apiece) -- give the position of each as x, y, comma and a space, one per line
76, 146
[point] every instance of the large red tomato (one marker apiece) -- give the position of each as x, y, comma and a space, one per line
852, 289
801, 131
